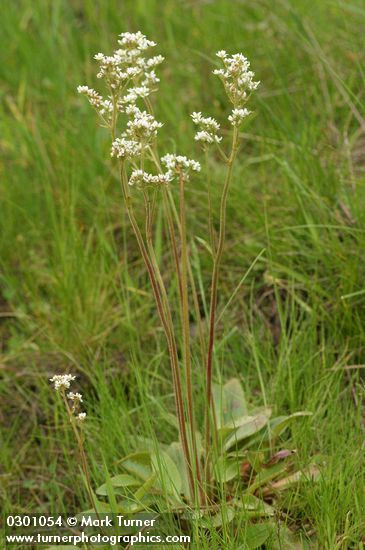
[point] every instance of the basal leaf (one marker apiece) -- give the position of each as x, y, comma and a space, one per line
310, 474
249, 426
168, 473
101, 507
267, 475
145, 488
121, 480
176, 453
226, 469
219, 519
229, 403
256, 534
255, 506
279, 424
138, 464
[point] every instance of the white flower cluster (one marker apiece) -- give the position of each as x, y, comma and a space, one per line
238, 115
142, 127
236, 77
208, 129
62, 382
139, 178
123, 148
127, 65
102, 106
77, 397
178, 164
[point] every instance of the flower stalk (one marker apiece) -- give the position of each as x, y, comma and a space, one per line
130, 77
186, 333
166, 320
62, 382
210, 416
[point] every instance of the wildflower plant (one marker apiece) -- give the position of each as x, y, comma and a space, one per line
72, 402
147, 176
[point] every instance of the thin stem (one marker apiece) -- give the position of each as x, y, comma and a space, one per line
82, 454
170, 205
171, 214
210, 209
198, 315
162, 307
210, 416
175, 254
192, 283
186, 331
166, 320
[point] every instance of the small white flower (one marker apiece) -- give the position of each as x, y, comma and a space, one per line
62, 381
221, 54
74, 397
177, 164
206, 123
106, 107
134, 93
205, 137
125, 149
237, 116
81, 416
150, 79
139, 178
208, 129
102, 106
94, 98
142, 127
135, 41
126, 66
154, 61
236, 76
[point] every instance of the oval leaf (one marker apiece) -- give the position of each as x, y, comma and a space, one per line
256, 534
168, 474
138, 464
121, 480
248, 426
176, 453
279, 424
229, 403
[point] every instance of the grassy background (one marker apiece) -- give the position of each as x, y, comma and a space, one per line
73, 292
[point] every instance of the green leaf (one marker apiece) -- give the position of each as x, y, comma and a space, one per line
101, 507
205, 244
284, 539
226, 469
266, 475
279, 424
133, 507
256, 534
144, 489
256, 459
110, 491
138, 464
221, 518
176, 453
248, 425
310, 474
121, 480
168, 473
256, 507
229, 403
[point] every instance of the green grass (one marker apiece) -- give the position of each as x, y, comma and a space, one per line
73, 291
